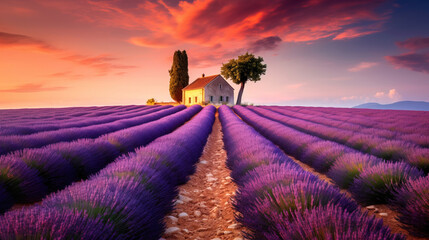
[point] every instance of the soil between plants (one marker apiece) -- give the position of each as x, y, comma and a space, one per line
208, 192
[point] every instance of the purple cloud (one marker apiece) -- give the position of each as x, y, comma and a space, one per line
268, 43
418, 62
415, 43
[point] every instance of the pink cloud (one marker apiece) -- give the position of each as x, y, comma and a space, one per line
152, 41
415, 43
349, 98
102, 63
363, 65
418, 62
391, 94
354, 33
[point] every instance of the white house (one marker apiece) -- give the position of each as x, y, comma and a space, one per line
211, 89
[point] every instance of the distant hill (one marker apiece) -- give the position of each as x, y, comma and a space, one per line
403, 105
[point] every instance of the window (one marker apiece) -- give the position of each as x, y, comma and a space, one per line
211, 98
220, 99
189, 100
220, 86
226, 99
196, 99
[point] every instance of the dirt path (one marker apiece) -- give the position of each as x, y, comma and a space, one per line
379, 210
203, 209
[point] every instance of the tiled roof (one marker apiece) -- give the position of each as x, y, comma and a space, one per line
200, 82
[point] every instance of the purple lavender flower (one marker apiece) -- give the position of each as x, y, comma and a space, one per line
55, 171
392, 150
261, 181
412, 203
153, 181
41, 223
288, 201
377, 184
323, 154
349, 166
124, 204
419, 158
22, 182
329, 222
87, 156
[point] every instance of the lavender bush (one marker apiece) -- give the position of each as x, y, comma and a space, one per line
41, 223
349, 166
412, 203
330, 222
379, 183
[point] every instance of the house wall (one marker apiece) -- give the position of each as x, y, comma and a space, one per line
217, 88
186, 94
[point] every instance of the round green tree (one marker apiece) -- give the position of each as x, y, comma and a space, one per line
179, 77
245, 67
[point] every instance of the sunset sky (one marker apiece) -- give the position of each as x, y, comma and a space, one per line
111, 52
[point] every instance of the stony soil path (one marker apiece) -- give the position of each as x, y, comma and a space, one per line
203, 209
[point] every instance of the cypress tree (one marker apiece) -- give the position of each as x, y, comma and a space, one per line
179, 77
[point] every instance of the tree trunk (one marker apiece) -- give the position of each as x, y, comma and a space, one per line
240, 94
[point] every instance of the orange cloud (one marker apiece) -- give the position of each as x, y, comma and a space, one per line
10, 40
66, 74
32, 88
103, 63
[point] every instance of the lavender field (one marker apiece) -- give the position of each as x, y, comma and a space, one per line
301, 172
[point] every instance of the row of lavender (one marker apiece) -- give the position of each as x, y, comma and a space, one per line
392, 150
67, 115
13, 143
277, 199
27, 176
371, 180
415, 137
398, 121
34, 126
126, 200
53, 114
